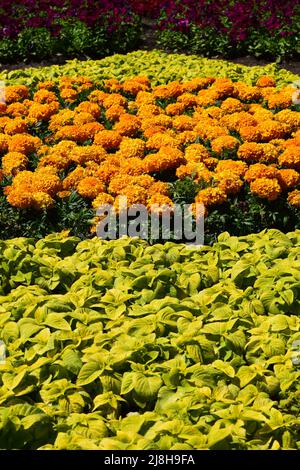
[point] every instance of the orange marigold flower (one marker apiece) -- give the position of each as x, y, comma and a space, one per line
260, 171
16, 126
197, 84
46, 182
102, 199
290, 157
229, 182
134, 85
250, 133
288, 178
287, 116
161, 139
73, 178
232, 105
17, 109
294, 198
98, 96
266, 188
88, 107
20, 199
196, 153
90, 187
171, 90
128, 125
42, 112
265, 81
211, 196
94, 153
279, 100
44, 96
4, 140
112, 85
106, 171
133, 166
270, 129
133, 147
222, 143
108, 139
47, 85
42, 200
166, 158
23, 143
159, 187
15, 93
175, 109
63, 194
64, 117
183, 123
115, 112
118, 183
13, 162
210, 162
160, 204
69, 95
235, 167
83, 118
114, 99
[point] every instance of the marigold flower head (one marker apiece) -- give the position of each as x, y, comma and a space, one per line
23, 143
279, 100
187, 99
144, 98
108, 139
128, 125
83, 118
166, 158
222, 143
289, 117
294, 198
196, 153
46, 182
15, 93
73, 178
90, 187
106, 171
229, 182
266, 188
290, 157
97, 96
158, 187
42, 112
183, 123
265, 81
175, 109
42, 200
69, 95
134, 85
47, 85
211, 196
288, 178
270, 129
171, 90
44, 96
160, 204
16, 109
112, 85
232, 105
133, 166
133, 147
13, 162
250, 133
87, 153
4, 140
235, 167
20, 199
102, 199
159, 140
113, 100
247, 92
118, 183
88, 107
16, 126
197, 84
260, 171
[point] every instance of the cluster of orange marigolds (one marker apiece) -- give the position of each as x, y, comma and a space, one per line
118, 140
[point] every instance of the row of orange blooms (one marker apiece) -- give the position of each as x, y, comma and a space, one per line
223, 133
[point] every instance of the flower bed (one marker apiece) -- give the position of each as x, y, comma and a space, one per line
262, 28
71, 146
158, 66
121, 345
39, 29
